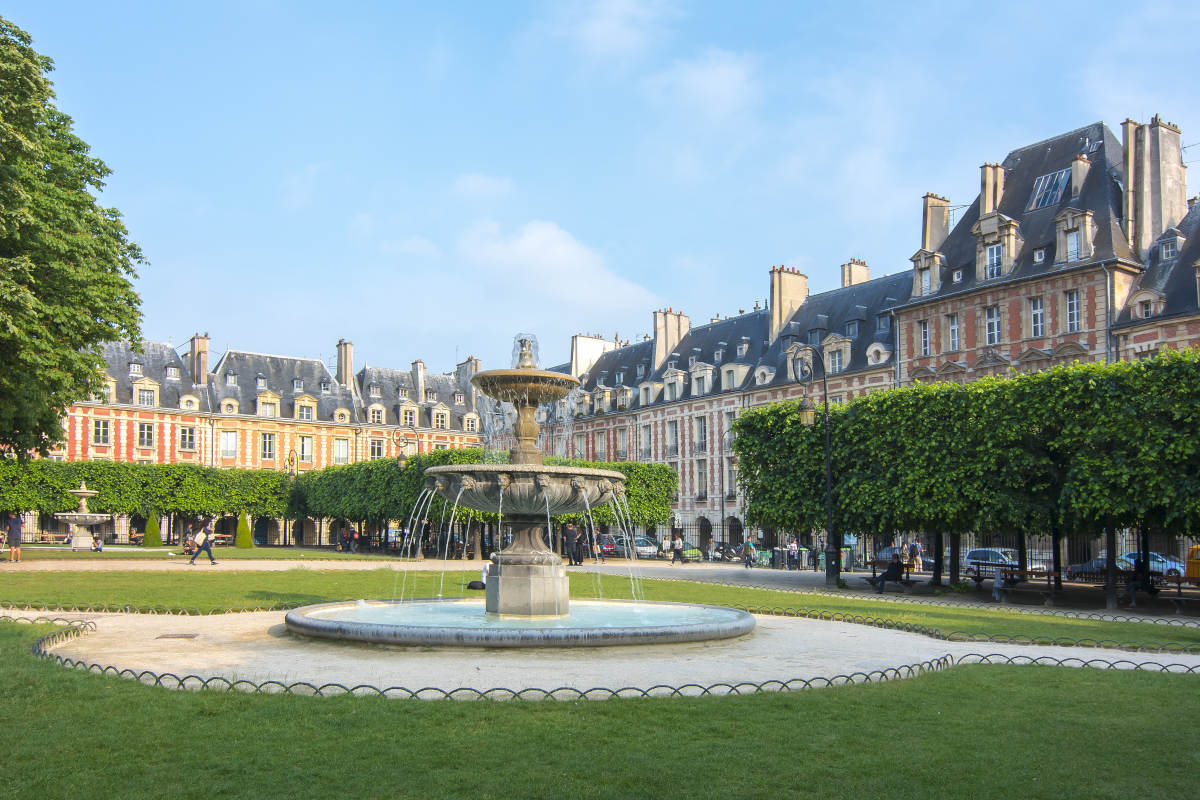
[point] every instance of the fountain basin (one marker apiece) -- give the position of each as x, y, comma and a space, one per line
527, 487
463, 623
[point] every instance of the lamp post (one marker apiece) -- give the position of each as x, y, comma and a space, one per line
289, 466
401, 440
802, 368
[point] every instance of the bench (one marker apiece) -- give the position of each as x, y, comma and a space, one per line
54, 538
1179, 598
908, 582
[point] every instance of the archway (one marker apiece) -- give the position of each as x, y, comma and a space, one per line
734, 532
704, 530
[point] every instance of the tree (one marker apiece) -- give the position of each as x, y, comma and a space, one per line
65, 261
243, 538
153, 537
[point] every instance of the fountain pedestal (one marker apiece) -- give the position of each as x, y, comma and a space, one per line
527, 579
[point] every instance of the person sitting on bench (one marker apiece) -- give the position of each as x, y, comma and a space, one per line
893, 573
1140, 579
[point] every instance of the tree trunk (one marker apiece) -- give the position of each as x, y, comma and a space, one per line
937, 558
1110, 580
955, 557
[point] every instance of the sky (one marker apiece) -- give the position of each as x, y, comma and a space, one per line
427, 180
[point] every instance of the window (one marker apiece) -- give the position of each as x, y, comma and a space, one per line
231, 379
306, 449
325, 387
645, 395
341, 416
580, 445
647, 442
173, 373
952, 331
440, 421
187, 438
698, 385
925, 282
730, 480
957, 276
1073, 311
260, 383
297, 384
671, 389
1072, 245
304, 412
409, 417
1039, 255
672, 437
228, 444
145, 397
923, 327
341, 451
189, 404
835, 361
852, 329
430, 395
229, 408
814, 337
671, 364
268, 410
266, 448
135, 369
742, 348
100, 431
622, 444
701, 435
1036, 319
883, 323
1168, 250
470, 424
376, 416
376, 449
991, 316
145, 434
701, 479
1048, 189
641, 370
1145, 309
402, 393
374, 390
691, 361
458, 396
994, 254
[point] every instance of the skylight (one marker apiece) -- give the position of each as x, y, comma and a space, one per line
1048, 189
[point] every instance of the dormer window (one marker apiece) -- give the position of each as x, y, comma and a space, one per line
189, 404
835, 361
671, 364
641, 370
699, 385
995, 258
231, 379
691, 361
1039, 255
458, 398
229, 408
814, 337
957, 276
1073, 246
135, 369
718, 355
852, 329
742, 348
430, 395
1167, 250
1145, 309
883, 323
260, 383
925, 282
620, 378
1048, 189
374, 390
297, 384
173, 372
324, 387
402, 393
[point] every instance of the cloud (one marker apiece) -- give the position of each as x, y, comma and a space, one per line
614, 29
718, 85
474, 184
410, 246
299, 187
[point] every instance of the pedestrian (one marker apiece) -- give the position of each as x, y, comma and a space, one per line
353, 539
914, 556
597, 551
793, 554
203, 539
677, 549
13, 525
571, 543
748, 552
893, 573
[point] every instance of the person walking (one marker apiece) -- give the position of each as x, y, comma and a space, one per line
13, 527
793, 554
203, 539
571, 540
677, 549
748, 552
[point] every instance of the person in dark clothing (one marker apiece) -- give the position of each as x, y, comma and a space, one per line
571, 541
203, 539
894, 572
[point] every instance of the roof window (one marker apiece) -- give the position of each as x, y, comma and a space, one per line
1048, 189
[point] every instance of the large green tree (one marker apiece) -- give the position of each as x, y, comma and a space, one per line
66, 262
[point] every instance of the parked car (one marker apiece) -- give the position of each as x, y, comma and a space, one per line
998, 555
690, 552
643, 548
885, 554
1164, 565
607, 543
1097, 566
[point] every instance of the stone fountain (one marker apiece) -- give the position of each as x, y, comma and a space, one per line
81, 519
527, 603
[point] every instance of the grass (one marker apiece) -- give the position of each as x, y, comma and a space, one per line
118, 552
985, 732
205, 589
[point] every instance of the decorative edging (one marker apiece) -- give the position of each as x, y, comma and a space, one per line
175, 611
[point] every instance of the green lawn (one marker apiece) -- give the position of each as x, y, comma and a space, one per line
204, 588
120, 552
980, 731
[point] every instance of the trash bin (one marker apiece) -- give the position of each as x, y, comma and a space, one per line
764, 558
1192, 569
848, 559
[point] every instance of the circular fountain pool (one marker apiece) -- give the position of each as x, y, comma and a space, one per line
463, 623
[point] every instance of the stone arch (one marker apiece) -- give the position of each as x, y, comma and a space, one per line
704, 533
734, 532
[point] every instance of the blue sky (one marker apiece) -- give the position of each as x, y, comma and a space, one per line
427, 180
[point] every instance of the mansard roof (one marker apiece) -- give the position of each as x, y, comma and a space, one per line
154, 359
279, 373
1173, 278
390, 381
1100, 194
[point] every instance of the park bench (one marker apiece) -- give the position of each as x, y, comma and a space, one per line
1179, 598
908, 582
54, 538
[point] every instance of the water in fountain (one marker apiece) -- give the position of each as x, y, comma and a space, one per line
527, 596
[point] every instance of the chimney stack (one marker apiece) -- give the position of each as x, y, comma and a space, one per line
935, 221
345, 362
1079, 173
1155, 196
855, 271
991, 188
418, 381
789, 290
198, 359
670, 327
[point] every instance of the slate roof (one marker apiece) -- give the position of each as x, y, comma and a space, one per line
390, 381
154, 359
279, 373
1100, 194
1175, 278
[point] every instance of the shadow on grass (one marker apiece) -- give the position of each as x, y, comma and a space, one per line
279, 598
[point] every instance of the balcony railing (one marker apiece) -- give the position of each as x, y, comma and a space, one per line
622, 454
702, 446
701, 496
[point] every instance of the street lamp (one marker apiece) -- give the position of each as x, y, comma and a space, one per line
401, 440
802, 369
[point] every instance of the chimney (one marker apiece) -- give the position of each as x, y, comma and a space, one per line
670, 327
935, 221
991, 188
1155, 196
345, 362
418, 381
854, 272
198, 359
789, 290
1079, 172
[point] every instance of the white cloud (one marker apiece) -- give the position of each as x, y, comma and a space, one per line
410, 246
299, 187
474, 184
717, 85
614, 29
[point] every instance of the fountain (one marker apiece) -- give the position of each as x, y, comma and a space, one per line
80, 519
527, 597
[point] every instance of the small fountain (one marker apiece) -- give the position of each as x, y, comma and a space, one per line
527, 598
81, 519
